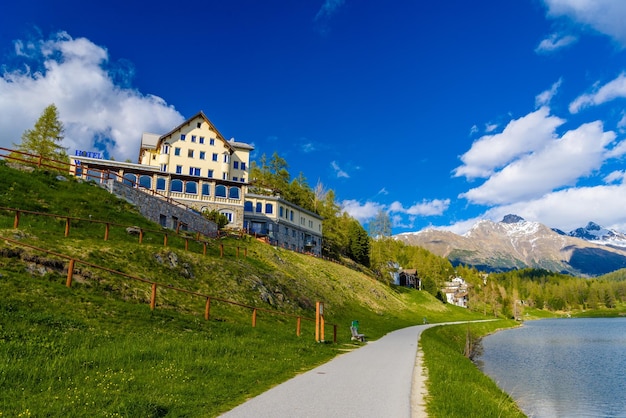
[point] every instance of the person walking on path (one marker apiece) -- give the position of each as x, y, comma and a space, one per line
384, 378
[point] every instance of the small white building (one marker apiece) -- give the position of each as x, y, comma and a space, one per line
456, 291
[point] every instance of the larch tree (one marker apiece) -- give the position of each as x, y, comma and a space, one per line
45, 138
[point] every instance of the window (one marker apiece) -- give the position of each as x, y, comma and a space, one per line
214, 157
202, 155
220, 190
191, 187
199, 125
269, 208
280, 211
166, 149
235, 179
259, 207
193, 138
301, 220
243, 180
145, 182
164, 168
243, 166
236, 165
182, 137
176, 151
247, 206
206, 190
179, 169
194, 171
226, 158
211, 141
233, 193
291, 216
201, 140
190, 153
160, 183
176, 186
210, 174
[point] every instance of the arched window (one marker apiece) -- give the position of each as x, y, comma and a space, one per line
269, 208
220, 190
160, 183
247, 206
130, 179
145, 182
233, 193
259, 207
191, 187
176, 186
206, 189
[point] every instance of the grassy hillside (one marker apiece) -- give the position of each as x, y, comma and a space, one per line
98, 349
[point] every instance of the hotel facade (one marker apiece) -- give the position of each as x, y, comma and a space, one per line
195, 165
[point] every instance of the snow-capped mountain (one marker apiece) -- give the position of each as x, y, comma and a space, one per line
515, 243
597, 234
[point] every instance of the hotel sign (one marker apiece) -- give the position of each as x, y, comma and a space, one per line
89, 154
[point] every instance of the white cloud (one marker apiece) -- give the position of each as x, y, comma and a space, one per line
604, 16
544, 98
555, 42
559, 163
328, 9
521, 136
571, 208
615, 177
361, 212
425, 208
338, 171
612, 90
76, 76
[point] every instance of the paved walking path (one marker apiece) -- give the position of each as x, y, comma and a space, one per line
384, 378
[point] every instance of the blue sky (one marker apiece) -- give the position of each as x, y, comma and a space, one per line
439, 113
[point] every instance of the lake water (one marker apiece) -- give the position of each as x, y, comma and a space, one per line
561, 367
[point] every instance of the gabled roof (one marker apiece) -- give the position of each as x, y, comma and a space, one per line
231, 145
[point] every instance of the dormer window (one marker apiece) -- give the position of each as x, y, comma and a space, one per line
182, 137
198, 125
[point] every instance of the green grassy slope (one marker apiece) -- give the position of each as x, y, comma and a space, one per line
97, 349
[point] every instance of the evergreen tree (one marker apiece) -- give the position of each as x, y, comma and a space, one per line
45, 137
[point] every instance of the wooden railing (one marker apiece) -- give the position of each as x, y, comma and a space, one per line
73, 262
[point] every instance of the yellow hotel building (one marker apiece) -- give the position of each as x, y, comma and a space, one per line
195, 165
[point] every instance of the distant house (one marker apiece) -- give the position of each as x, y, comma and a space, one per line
456, 292
408, 278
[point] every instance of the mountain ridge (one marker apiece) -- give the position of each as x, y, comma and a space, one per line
515, 243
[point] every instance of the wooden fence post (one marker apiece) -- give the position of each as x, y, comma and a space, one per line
153, 297
165, 240
245, 252
16, 222
70, 273
107, 226
204, 248
67, 227
207, 309
298, 326
141, 235
254, 318
221, 250
186, 244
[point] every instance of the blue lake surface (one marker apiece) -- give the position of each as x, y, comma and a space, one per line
561, 367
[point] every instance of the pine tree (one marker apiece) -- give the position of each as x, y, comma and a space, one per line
45, 138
